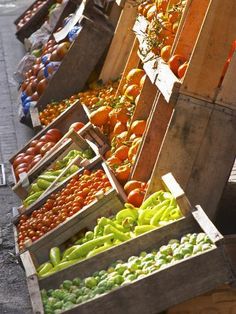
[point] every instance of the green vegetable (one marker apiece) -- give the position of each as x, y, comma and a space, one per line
85, 248
157, 217
63, 265
55, 256
32, 198
152, 200
68, 251
125, 213
34, 187
117, 234
45, 269
90, 282
99, 250
49, 178
43, 184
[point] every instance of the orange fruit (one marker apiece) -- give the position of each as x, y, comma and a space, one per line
132, 91
118, 115
162, 5
138, 127
122, 152
142, 81
175, 62
182, 69
146, 8
108, 154
122, 173
100, 116
113, 161
165, 53
119, 128
134, 76
131, 185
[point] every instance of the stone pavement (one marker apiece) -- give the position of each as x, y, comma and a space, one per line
14, 297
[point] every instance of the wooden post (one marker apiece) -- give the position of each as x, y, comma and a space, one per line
211, 50
152, 140
132, 62
199, 149
120, 47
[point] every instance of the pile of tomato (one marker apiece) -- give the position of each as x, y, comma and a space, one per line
79, 192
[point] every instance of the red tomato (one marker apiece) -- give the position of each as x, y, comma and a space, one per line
35, 161
28, 159
46, 148
55, 133
39, 146
131, 185
77, 126
33, 143
136, 197
18, 160
31, 151
20, 166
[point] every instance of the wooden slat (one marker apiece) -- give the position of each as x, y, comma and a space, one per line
121, 44
81, 59
132, 62
181, 143
152, 140
173, 186
213, 161
167, 82
35, 296
227, 92
28, 264
193, 17
211, 50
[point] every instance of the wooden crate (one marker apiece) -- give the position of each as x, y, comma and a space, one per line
205, 45
219, 301
35, 22
198, 147
81, 59
121, 44
85, 53
75, 113
74, 142
197, 269
168, 184
114, 197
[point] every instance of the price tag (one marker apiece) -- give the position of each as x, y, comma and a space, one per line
24, 179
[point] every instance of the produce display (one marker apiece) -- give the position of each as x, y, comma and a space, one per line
79, 192
23, 162
45, 180
54, 109
74, 292
30, 13
157, 211
37, 78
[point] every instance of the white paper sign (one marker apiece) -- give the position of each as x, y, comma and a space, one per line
72, 22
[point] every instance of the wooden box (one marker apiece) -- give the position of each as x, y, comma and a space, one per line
35, 22
111, 200
85, 53
74, 142
75, 113
195, 273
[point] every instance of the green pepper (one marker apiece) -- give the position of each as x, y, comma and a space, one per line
99, 250
34, 188
152, 200
125, 213
32, 198
55, 256
68, 251
49, 178
45, 269
117, 234
43, 184
41, 266
85, 248
66, 264
143, 229
157, 217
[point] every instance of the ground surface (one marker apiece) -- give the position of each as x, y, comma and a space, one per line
14, 297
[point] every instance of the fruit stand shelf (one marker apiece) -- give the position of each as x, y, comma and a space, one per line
74, 142
206, 276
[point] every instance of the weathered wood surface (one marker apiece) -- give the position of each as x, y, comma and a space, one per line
211, 51
152, 139
121, 44
81, 59
190, 150
227, 92
35, 22
132, 62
